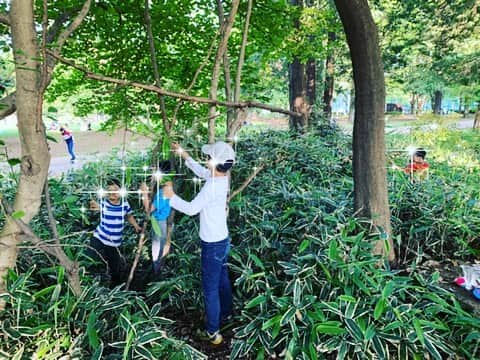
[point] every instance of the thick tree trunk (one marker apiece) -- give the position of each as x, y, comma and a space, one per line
297, 96
311, 82
329, 80
437, 102
34, 151
369, 163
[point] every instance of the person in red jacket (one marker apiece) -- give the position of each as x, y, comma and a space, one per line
417, 167
68, 137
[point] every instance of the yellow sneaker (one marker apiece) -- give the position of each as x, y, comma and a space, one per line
216, 338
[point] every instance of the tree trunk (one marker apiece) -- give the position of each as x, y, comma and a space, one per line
476, 122
329, 81
413, 100
222, 47
297, 96
437, 102
369, 163
34, 150
351, 108
226, 66
311, 82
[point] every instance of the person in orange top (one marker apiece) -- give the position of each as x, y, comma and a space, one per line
417, 167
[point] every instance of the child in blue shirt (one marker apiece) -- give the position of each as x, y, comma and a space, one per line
160, 210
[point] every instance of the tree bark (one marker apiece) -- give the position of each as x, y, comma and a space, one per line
476, 122
369, 163
329, 80
226, 66
216, 70
34, 150
7, 105
240, 115
437, 102
413, 101
297, 96
311, 82
297, 85
351, 106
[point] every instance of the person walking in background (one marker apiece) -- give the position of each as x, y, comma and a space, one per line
68, 137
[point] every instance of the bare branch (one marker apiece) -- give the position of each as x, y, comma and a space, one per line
7, 105
74, 25
241, 56
156, 73
60, 20
196, 99
246, 182
195, 76
226, 65
216, 67
70, 266
4, 19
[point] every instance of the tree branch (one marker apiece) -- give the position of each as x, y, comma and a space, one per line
7, 105
156, 73
195, 76
70, 266
196, 99
246, 182
227, 29
4, 19
73, 25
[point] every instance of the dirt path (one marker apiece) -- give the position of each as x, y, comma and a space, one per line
89, 146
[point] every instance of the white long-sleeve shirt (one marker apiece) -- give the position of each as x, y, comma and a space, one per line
210, 202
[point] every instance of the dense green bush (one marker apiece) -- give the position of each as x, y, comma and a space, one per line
306, 284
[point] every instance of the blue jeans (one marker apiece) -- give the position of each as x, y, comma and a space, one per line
70, 148
217, 291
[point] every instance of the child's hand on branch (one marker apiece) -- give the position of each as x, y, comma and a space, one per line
178, 149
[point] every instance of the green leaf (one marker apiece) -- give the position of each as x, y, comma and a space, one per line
419, 331
156, 226
14, 161
377, 313
269, 323
70, 199
97, 355
93, 339
18, 214
260, 299
379, 347
330, 328
51, 138
304, 244
2, 143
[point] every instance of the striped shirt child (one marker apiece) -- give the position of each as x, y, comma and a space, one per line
112, 220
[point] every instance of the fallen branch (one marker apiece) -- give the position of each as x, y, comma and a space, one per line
141, 242
156, 89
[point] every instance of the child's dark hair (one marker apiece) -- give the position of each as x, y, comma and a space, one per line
420, 153
113, 181
223, 168
164, 166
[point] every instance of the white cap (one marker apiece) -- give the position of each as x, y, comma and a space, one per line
220, 152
